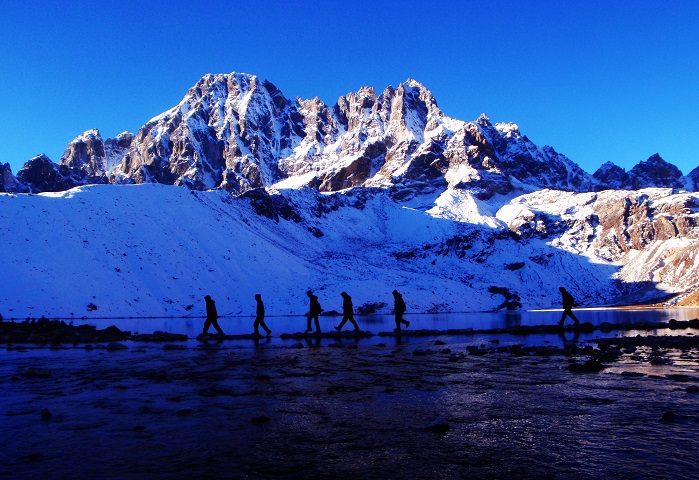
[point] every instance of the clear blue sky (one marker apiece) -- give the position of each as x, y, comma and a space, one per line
597, 80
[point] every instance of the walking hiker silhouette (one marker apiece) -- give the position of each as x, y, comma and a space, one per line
313, 312
211, 316
399, 310
347, 313
568, 303
260, 319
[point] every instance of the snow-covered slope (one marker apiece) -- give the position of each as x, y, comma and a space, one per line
155, 250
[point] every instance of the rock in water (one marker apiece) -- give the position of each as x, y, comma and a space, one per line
590, 366
36, 372
439, 425
667, 416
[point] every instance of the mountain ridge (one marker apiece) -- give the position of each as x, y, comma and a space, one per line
237, 132
376, 192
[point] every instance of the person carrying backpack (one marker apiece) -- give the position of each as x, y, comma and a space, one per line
313, 312
347, 313
399, 310
568, 303
211, 316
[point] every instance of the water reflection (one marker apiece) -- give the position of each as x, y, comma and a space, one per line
385, 323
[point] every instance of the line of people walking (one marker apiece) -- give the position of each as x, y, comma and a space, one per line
314, 311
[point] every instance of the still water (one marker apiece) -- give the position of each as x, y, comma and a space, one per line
192, 326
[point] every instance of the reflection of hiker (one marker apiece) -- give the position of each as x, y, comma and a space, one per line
399, 310
569, 345
313, 311
211, 316
568, 303
260, 319
347, 312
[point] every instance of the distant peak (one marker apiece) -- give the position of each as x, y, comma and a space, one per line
484, 121
508, 128
92, 133
655, 158
411, 82
42, 157
367, 91
610, 165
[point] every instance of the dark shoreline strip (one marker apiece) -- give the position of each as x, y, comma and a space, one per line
56, 332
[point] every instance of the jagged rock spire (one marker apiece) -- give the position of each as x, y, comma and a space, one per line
238, 132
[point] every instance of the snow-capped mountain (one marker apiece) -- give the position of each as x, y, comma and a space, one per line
374, 193
237, 132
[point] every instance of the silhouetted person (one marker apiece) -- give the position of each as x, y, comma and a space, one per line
568, 303
347, 312
399, 310
313, 312
260, 319
211, 316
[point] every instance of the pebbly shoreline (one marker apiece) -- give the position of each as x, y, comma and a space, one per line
56, 332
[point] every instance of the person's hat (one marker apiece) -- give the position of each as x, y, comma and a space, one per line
207, 297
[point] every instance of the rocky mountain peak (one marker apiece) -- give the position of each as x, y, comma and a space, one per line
612, 176
484, 121
420, 95
40, 174
693, 178
86, 153
238, 132
655, 172
8, 182
508, 129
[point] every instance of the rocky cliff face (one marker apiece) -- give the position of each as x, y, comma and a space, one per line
40, 174
8, 182
654, 172
238, 132
91, 160
693, 180
651, 234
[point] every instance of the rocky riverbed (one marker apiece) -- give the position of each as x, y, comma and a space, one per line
436, 405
